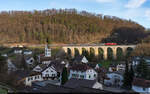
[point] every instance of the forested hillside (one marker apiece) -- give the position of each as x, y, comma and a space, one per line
65, 26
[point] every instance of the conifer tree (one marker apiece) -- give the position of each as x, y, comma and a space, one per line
131, 76
23, 63
64, 77
126, 80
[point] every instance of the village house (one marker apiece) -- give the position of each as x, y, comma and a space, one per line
74, 83
4, 55
33, 76
49, 72
27, 52
112, 68
120, 66
141, 85
17, 50
114, 78
136, 60
82, 71
80, 59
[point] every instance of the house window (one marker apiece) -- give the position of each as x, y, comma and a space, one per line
31, 78
94, 75
82, 76
31, 61
143, 89
51, 71
73, 75
53, 75
28, 79
35, 77
47, 75
89, 76
47, 71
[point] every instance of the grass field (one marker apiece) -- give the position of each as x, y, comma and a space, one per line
3, 91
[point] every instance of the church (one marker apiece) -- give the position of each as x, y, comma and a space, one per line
46, 57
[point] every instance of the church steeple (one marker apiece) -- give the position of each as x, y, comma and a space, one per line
47, 50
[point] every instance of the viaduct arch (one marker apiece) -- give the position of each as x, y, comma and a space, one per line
96, 49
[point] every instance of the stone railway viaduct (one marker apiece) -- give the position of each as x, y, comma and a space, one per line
96, 49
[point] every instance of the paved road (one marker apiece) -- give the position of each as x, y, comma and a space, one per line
112, 89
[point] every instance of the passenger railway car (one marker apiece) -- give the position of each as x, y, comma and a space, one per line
110, 43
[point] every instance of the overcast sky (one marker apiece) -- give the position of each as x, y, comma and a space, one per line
136, 10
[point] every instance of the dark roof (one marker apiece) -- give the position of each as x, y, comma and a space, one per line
43, 66
80, 67
17, 48
78, 58
55, 63
34, 73
141, 82
74, 83
93, 65
45, 59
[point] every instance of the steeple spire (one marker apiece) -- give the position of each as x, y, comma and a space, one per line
47, 49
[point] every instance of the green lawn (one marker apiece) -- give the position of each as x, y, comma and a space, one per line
3, 91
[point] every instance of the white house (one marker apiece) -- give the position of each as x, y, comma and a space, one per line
5, 55
82, 71
41, 72
32, 78
120, 67
49, 73
141, 85
114, 78
27, 52
17, 51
